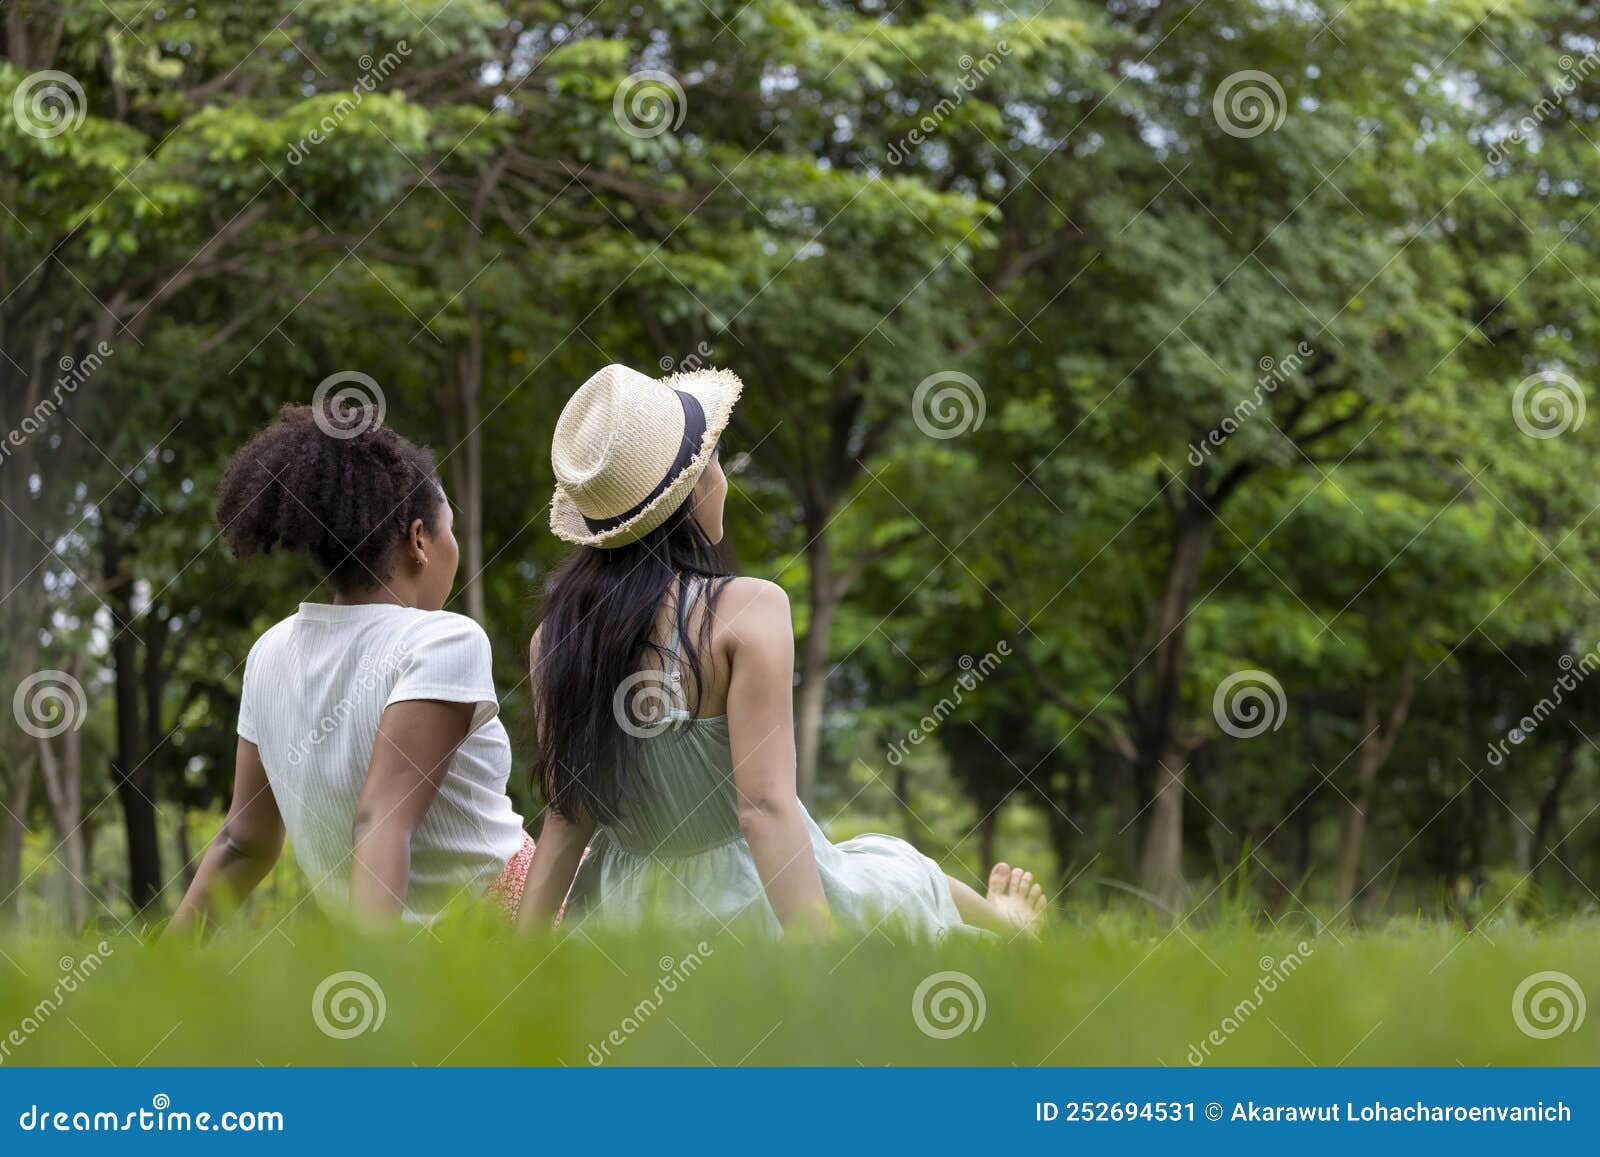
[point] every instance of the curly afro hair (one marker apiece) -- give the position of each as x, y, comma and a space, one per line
345, 498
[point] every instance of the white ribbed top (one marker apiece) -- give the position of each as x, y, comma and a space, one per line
315, 686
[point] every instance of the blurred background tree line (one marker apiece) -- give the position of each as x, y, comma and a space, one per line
1167, 418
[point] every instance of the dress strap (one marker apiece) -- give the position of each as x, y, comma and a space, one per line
679, 709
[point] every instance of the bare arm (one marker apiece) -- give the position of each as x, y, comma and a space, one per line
243, 851
556, 854
410, 758
761, 731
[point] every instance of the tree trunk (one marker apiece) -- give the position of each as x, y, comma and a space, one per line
132, 773
469, 479
1163, 748
1376, 744
13, 827
1161, 866
1547, 836
814, 661
63, 783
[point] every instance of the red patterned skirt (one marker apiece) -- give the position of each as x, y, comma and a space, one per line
506, 892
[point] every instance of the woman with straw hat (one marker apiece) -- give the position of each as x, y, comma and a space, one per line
662, 693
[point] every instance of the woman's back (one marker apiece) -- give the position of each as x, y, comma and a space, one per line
676, 852
315, 688
679, 796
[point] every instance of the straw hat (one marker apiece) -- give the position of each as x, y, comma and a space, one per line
628, 450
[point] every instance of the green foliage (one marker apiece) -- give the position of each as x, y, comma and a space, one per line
1408, 994
443, 195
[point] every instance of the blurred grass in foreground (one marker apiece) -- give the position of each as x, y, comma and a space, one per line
1114, 991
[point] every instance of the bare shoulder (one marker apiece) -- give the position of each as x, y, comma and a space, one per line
533, 646
751, 609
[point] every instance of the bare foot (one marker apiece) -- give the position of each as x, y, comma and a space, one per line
1016, 898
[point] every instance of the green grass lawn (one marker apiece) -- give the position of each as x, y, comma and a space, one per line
1112, 991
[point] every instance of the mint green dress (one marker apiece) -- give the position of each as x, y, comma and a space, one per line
676, 855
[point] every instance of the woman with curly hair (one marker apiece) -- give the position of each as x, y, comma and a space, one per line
368, 726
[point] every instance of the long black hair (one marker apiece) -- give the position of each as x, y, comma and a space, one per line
594, 697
